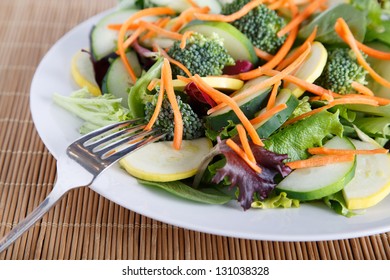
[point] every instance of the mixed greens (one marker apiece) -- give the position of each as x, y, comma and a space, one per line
278, 91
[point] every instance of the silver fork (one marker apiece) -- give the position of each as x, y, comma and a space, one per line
83, 161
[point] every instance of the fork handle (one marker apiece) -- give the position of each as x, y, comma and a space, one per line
54, 196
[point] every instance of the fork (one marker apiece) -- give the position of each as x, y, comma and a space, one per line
83, 161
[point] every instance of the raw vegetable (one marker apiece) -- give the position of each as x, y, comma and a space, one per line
312, 183
295, 139
371, 182
171, 164
117, 81
205, 56
236, 43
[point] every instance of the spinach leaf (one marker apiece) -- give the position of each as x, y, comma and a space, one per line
326, 21
178, 188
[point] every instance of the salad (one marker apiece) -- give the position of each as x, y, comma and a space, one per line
271, 103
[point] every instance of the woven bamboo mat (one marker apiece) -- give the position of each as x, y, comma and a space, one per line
85, 225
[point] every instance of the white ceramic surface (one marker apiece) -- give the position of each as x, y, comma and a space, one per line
58, 128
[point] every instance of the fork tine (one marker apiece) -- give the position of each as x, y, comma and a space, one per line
112, 147
121, 153
101, 131
112, 136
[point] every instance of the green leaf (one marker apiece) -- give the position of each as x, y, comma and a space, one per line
139, 91
96, 111
382, 111
296, 138
178, 188
326, 21
337, 203
374, 126
279, 201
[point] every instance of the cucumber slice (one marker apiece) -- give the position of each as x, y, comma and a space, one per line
270, 125
317, 182
249, 106
236, 43
103, 40
117, 81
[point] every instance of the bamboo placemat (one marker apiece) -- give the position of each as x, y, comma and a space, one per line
85, 225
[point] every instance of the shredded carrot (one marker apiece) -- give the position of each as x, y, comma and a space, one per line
187, 15
329, 151
263, 55
381, 101
277, 4
153, 83
162, 22
264, 84
178, 120
184, 79
341, 101
175, 62
362, 89
232, 17
218, 97
296, 21
313, 88
117, 27
320, 161
373, 52
244, 142
260, 71
161, 31
186, 35
269, 113
127, 24
272, 97
288, 60
232, 145
193, 4
345, 33
157, 109
133, 37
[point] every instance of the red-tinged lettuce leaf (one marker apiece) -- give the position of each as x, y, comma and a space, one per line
241, 66
245, 178
192, 90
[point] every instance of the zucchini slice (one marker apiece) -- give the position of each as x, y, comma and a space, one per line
160, 162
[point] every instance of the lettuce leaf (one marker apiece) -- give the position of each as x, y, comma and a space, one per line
278, 201
248, 182
96, 111
295, 139
337, 203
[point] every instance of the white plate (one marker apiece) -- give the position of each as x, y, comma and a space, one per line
58, 128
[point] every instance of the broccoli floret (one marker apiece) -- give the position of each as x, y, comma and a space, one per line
192, 124
341, 70
260, 25
205, 56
